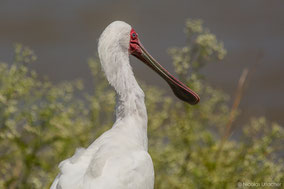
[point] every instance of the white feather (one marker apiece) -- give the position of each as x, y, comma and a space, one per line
118, 159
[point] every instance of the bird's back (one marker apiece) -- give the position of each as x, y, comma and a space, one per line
111, 162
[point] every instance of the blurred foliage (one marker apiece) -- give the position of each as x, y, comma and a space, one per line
42, 124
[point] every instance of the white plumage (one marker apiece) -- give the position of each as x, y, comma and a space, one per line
118, 159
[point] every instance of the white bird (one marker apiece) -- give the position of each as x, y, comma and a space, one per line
119, 158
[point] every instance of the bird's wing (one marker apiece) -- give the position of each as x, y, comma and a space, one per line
110, 162
72, 170
122, 171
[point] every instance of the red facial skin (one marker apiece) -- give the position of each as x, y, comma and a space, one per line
134, 44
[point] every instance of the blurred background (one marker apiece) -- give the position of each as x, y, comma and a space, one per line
64, 34
42, 121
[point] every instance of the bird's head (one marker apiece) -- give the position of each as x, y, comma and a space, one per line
120, 35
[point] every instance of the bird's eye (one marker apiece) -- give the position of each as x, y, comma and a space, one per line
133, 35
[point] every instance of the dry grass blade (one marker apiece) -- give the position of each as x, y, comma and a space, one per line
247, 72
239, 94
237, 100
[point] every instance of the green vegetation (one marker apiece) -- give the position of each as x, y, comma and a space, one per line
42, 124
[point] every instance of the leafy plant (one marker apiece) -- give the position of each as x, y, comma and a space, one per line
42, 124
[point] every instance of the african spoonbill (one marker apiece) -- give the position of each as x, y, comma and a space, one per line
119, 158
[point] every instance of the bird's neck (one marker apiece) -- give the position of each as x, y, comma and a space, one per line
130, 97
131, 115
131, 104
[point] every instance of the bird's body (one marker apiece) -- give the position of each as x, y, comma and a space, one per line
119, 158
116, 160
